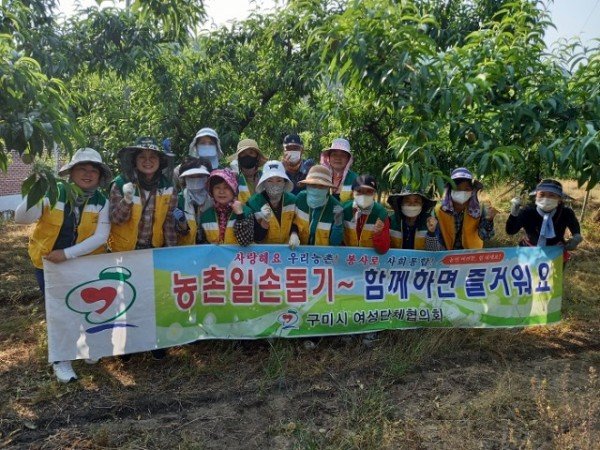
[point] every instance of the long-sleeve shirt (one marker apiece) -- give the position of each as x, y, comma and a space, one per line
31, 215
485, 230
531, 222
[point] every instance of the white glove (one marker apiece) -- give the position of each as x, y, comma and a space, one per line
128, 190
294, 241
338, 214
265, 213
515, 206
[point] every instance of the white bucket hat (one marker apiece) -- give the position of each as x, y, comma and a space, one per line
91, 156
273, 169
195, 171
205, 132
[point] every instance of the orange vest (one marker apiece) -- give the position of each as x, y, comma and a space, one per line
470, 229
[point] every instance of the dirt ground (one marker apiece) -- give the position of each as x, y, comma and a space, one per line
534, 388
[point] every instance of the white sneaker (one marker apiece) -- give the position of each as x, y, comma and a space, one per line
92, 361
64, 371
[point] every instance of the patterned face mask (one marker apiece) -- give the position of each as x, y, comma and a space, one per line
274, 190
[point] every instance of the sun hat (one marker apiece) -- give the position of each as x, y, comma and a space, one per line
202, 170
205, 132
127, 154
273, 169
549, 185
223, 174
318, 175
462, 173
246, 144
395, 198
91, 156
367, 181
338, 144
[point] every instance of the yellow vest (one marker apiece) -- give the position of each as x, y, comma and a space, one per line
49, 224
302, 220
396, 235
123, 237
210, 225
185, 205
470, 230
366, 236
278, 233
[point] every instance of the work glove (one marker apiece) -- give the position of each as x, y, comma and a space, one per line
237, 207
572, 243
179, 215
265, 213
338, 215
128, 190
294, 241
515, 206
378, 227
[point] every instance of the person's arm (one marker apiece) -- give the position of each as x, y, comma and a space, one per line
575, 229
260, 232
486, 224
243, 228
381, 239
97, 239
169, 228
26, 216
120, 208
433, 238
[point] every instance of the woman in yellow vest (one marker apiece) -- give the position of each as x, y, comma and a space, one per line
193, 200
249, 160
273, 205
408, 228
366, 222
228, 221
67, 230
319, 217
142, 200
460, 222
338, 159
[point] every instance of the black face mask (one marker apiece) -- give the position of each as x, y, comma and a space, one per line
248, 162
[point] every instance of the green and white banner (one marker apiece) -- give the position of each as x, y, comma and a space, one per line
141, 300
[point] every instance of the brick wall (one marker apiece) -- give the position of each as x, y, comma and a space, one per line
18, 171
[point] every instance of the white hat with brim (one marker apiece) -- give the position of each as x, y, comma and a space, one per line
205, 132
273, 169
318, 175
86, 156
195, 171
339, 144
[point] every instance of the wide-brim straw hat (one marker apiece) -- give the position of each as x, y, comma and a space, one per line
273, 169
89, 156
318, 175
246, 144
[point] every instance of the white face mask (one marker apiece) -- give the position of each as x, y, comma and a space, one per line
364, 201
293, 156
547, 204
411, 211
461, 197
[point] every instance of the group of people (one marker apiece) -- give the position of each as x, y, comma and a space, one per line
291, 201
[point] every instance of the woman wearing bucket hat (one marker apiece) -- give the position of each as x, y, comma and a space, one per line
338, 158
461, 222
273, 205
193, 200
142, 200
318, 218
250, 159
206, 143
228, 221
366, 222
408, 226
546, 222
67, 229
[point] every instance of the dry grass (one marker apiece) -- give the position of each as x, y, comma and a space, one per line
535, 388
